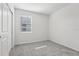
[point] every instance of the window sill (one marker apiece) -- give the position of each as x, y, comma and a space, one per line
26, 32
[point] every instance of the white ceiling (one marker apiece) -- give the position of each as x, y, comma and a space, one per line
45, 8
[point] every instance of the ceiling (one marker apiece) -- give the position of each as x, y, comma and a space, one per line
44, 8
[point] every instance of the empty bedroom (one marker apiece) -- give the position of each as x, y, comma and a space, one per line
39, 29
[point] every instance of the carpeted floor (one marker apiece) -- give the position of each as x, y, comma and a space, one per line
43, 48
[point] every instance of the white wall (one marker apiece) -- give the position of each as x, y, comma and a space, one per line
64, 26
39, 27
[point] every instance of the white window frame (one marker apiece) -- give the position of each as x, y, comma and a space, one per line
21, 26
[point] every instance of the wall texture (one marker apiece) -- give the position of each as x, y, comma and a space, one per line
39, 27
64, 26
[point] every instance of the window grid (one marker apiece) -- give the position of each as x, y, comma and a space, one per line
26, 25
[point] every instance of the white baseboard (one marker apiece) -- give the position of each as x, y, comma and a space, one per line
65, 46
29, 42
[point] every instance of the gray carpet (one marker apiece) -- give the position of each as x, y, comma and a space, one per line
44, 48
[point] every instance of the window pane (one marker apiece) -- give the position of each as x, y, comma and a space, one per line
28, 29
28, 20
23, 29
23, 25
23, 20
26, 24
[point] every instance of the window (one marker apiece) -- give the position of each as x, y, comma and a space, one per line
26, 25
